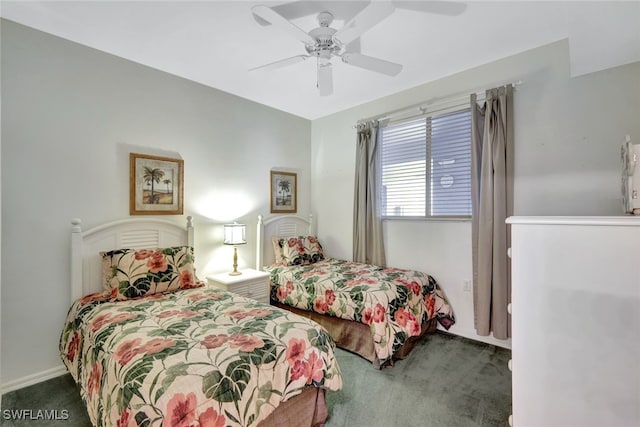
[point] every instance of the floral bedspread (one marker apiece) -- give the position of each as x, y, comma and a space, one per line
198, 357
393, 302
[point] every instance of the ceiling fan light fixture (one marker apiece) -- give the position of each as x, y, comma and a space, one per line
325, 42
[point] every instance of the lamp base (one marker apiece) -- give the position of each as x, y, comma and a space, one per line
235, 271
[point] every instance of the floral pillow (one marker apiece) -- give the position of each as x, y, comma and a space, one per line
277, 249
134, 273
301, 250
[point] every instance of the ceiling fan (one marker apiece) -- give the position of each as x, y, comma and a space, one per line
325, 42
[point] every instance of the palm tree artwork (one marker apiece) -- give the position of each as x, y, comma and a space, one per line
283, 192
155, 185
284, 187
151, 176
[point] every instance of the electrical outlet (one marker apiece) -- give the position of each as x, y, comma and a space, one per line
467, 285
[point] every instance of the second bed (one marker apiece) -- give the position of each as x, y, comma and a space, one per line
376, 312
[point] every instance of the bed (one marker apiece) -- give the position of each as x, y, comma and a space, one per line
145, 352
377, 313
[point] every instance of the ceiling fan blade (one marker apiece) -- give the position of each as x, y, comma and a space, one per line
375, 12
325, 77
271, 16
371, 63
282, 63
451, 8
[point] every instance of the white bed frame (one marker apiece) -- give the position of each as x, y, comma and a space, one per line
278, 226
133, 233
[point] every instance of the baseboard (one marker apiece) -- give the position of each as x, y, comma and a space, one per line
33, 379
473, 336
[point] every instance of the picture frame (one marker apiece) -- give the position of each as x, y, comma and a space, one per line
156, 185
284, 196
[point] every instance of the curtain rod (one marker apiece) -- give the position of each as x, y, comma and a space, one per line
424, 106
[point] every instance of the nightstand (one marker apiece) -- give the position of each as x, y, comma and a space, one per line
251, 284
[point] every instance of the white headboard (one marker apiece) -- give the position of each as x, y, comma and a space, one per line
278, 226
134, 233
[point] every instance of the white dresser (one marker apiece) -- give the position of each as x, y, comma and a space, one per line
575, 321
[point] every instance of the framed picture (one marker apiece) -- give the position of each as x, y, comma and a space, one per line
284, 198
155, 185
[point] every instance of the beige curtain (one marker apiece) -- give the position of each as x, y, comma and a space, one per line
368, 245
492, 203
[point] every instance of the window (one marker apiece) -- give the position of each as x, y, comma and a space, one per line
426, 166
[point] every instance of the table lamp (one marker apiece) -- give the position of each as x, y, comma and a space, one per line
234, 234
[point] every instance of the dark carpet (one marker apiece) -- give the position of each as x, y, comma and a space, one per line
447, 381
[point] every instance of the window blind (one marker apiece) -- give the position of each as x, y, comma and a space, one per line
426, 166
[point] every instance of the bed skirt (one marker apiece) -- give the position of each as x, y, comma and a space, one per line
356, 337
307, 409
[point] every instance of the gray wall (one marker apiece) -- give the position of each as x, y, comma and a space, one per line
568, 133
70, 117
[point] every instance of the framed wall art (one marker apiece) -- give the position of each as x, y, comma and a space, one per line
155, 185
284, 187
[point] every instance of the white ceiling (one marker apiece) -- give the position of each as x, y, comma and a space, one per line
216, 42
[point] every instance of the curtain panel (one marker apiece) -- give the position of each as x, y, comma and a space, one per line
368, 245
492, 202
